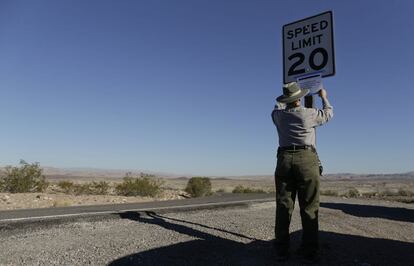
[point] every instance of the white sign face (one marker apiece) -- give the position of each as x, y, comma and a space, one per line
308, 47
312, 82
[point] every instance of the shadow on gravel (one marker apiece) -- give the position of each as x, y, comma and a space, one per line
397, 214
208, 249
341, 249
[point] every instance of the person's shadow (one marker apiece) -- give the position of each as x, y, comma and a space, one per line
208, 249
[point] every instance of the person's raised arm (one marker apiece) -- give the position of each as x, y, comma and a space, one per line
324, 97
324, 115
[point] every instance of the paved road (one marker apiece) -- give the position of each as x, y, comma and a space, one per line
194, 203
353, 232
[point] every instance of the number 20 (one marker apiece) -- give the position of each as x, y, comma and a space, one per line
301, 58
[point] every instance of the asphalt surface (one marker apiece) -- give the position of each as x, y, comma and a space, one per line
177, 205
352, 232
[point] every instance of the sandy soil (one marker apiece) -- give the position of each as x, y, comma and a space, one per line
54, 197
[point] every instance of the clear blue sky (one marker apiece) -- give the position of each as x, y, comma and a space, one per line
187, 86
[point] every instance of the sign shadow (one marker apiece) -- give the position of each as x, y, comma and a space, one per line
390, 213
209, 249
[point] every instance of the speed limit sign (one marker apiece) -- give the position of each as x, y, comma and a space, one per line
308, 47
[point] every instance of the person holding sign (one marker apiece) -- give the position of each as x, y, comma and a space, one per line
298, 168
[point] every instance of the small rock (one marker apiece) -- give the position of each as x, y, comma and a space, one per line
6, 197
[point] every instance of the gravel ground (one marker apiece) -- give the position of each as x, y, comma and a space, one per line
353, 232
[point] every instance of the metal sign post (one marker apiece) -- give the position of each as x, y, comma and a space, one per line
308, 49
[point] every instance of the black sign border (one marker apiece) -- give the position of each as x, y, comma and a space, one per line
332, 39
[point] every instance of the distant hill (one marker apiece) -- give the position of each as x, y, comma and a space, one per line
54, 172
60, 173
348, 176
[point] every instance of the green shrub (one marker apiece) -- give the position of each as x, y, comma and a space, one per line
242, 189
66, 186
405, 193
144, 185
93, 188
352, 193
369, 194
100, 188
23, 179
198, 186
82, 189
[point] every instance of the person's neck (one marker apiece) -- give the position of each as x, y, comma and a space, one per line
292, 106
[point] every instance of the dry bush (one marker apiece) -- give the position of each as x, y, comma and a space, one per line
405, 192
352, 193
144, 185
100, 188
82, 189
369, 194
242, 189
66, 186
93, 188
23, 179
198, 186
388, 193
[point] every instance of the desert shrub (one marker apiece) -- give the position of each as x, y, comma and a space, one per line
221, 190
329, 193
405, 193
198, 186
142, 174
144, 185
26, 178
100, 188
66, 186
93, 188
405, 200
352, 193
369, 194
242, 189
82, 189
388, 193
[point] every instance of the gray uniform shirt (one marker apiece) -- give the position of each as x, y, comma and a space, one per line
296, 126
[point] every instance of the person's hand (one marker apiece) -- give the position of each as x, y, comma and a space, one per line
322, 93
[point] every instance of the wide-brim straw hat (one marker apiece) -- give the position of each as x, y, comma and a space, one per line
291, 93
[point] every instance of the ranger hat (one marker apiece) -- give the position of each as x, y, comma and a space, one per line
291, 93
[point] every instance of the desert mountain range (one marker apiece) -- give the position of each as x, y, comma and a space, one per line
119, 173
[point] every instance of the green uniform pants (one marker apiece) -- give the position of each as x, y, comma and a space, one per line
297, 172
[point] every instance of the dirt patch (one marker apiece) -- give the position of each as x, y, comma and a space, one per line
9, 201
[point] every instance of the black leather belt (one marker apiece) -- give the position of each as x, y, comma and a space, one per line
295, 147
